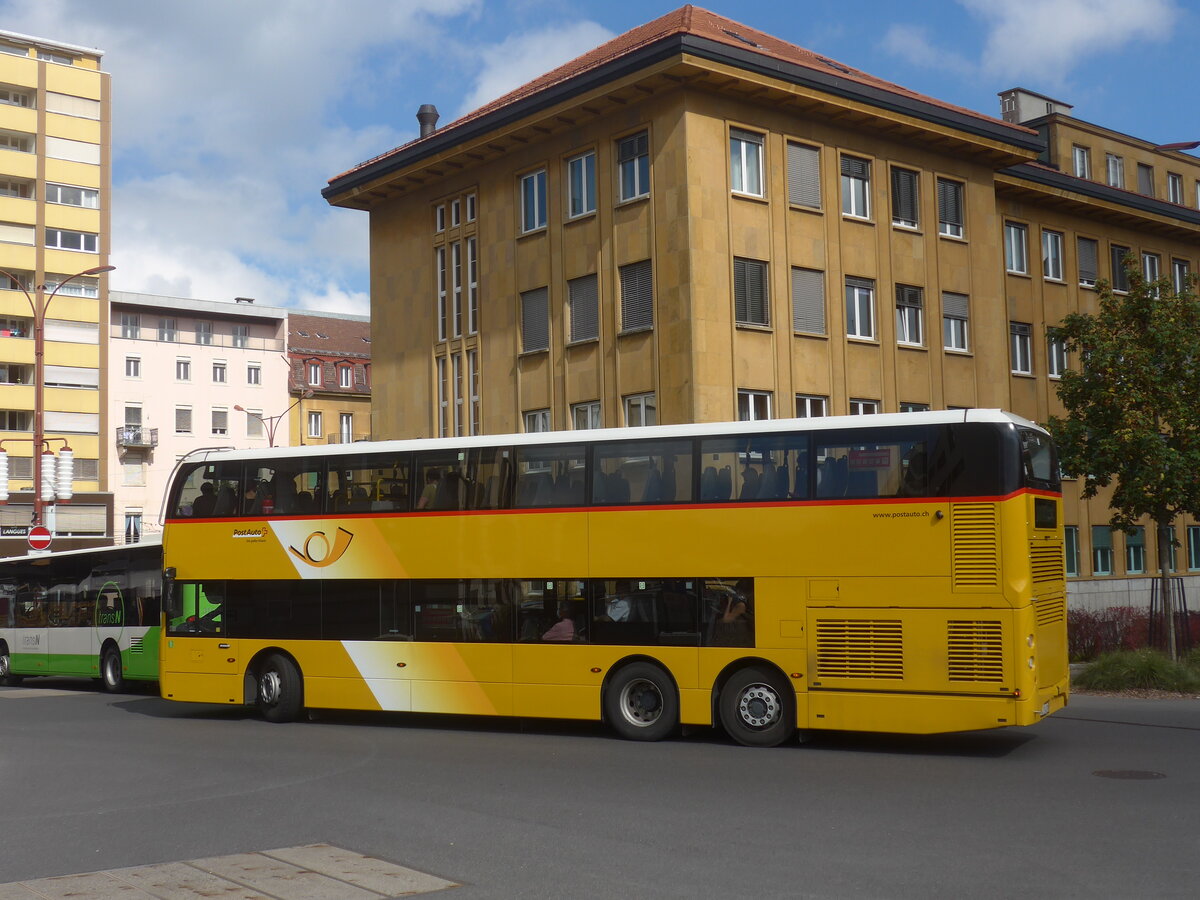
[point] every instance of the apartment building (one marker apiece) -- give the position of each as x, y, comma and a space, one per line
698, 221
186, 374
330, 356
54, 223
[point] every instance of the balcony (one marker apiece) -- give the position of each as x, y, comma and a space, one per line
135, 436
342, 437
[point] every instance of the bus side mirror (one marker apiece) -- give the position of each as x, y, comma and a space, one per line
169, 590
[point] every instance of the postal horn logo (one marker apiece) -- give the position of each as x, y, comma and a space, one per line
319, 552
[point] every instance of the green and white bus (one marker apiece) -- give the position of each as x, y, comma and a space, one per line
86, 613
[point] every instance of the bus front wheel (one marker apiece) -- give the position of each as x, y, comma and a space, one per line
112, 679
758, 708
6, 676
280, 689
641, 703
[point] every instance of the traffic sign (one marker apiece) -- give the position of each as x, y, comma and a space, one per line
39, 537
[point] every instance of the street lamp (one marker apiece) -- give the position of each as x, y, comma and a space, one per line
38, 307
272, 422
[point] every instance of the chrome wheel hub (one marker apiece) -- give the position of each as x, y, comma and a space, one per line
641, 702
759, 706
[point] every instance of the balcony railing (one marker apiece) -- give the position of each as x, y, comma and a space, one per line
344, 438
136, 436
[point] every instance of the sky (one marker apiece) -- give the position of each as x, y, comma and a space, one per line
230, 116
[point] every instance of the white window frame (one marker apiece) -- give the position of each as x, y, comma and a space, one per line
536, 421
442, 277
860, 306
314, 373
861, 407
633, 171
346, 376
1114, 170
856, 192
1016, 248
581, 185
947, 228
88, 242
1056, 356
910, 318
956, 334
254, 373
586, 415
220, 372
219, 430
1081, 160
315, 426
183, 369
1052, 255
811, 406
133, 367
439, 218
533, 201
753, 406
1175, 188
346, 427
1020, 343
639, 408
746, 162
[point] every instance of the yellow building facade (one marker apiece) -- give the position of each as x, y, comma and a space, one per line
700, 222
55, 190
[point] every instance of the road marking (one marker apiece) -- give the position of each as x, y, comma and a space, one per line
312, 872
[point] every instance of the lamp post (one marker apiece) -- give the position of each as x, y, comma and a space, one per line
38, 307
270, 423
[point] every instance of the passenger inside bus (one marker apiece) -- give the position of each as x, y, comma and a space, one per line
203, 506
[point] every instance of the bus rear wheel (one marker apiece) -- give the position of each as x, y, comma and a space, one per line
758, 708
112, 679
641, 703
6, 676
280, 689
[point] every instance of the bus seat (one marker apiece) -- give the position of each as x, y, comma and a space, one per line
668, 492
652, 492
863, 484
725, 483
768, 483
226, 501
618, 488
708, 484
781, 483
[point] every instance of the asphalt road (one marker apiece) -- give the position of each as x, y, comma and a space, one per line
536, 809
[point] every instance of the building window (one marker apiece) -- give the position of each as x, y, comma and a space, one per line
456, 284
1015, 257
950, 207
584, 300
856, 187
88, 198
1020, 345
1120, 277
1175, 187
1135, 551
457, 361
909, 314
220, 422
753, 406
71, 240
1056, 352
1102, 555
346, 427
204, 331
1071, 550
750, 301
1179, 275
183, 370
443, 398
1052, 255
314, 424
581, 184
746, 162
1114, 167
133, 524
808, 301
640, 409
218, 372
637, 296
472, 288
535, 322
906, 197
473, 382
11, 140
14, 97
254, 423
1145, 176
586, 415
314, 374
533, 201
16, 187
440, 261
1081, 157
1151, 267
811, 406
804, 175
345, 376
455, 212
133, 367
471, 213
439, 218
633, 166
537, 420
167, 330
860, 308
131, 326
955, 309
1193, 548
253, 373
183, 420
241, 336
1089, 265
911, 407
864, 407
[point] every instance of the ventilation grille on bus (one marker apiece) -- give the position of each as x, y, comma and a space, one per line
1050, 609
860, 648
135, 644
976, 558
975, 651
1047, 562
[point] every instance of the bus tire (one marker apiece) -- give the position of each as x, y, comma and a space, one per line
6, 677
280, 689
112, 678
758, 708
641, 703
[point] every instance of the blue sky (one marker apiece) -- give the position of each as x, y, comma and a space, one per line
231, 115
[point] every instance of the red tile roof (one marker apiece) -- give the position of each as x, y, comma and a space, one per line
697, 22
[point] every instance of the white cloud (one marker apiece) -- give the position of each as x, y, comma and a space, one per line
912, 44
523, 57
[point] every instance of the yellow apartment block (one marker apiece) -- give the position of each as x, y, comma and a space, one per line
700, 222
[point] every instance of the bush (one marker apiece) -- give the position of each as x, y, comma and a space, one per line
1091, 633
1141, 670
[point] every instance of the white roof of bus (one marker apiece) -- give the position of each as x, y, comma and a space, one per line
884, 420
150, 540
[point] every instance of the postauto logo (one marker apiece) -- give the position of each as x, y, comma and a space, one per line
318, 551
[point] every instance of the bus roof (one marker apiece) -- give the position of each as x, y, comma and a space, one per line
151, 542
705, 429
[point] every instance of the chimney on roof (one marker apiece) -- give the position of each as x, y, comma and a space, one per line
1018, 105
243, 299
427, 115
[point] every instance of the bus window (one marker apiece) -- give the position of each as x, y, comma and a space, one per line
642, 472
489, 478
442, 478
552, 610
754, 467
371, 483
197, 608
273, 609
395, 612
467, 610
550, 476
729, 612
873, 469
646, 611
1038, 459
278, 489
209, 490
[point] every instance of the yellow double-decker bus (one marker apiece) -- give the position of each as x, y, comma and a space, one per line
899, 573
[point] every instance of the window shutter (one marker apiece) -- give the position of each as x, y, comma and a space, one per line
183, 421
950, 202
804, 175
750, 292
637, 296
865, 283
955, 305
907, 295
855, 167
583, 295
904, 195
535, 324
808, 301
1088, 261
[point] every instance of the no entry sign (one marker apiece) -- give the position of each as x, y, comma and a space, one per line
39, 537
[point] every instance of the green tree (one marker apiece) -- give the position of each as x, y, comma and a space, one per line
1132, 401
